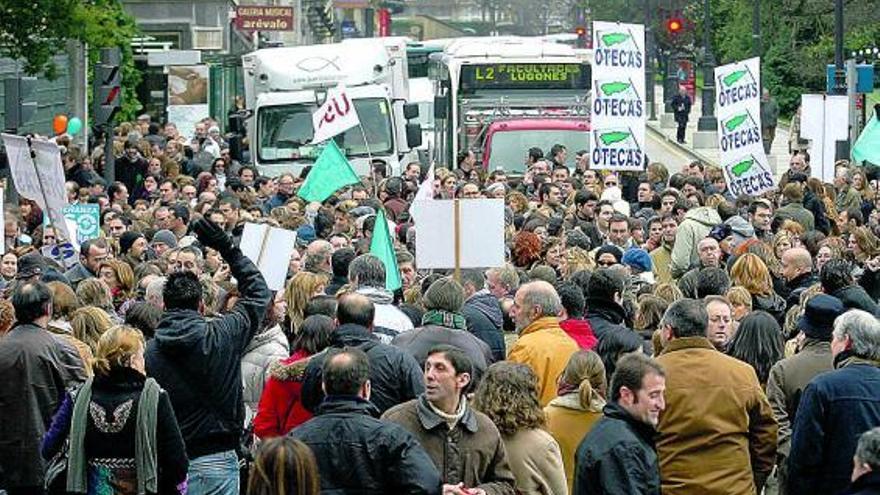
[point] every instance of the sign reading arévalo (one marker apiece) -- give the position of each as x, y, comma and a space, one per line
263, 18
618, 106
738, 107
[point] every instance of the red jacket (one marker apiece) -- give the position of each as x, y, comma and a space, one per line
280, 408
581, 332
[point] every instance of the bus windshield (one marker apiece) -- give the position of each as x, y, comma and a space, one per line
509, 148
285, 131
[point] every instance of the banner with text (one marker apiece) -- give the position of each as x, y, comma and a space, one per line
738, 108
618, 83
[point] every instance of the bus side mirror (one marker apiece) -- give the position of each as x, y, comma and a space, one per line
411, 111
413, 135
440, 107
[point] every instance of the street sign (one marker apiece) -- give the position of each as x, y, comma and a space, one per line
263, 18
174, 57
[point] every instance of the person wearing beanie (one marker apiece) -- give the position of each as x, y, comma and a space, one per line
443, 323
133, 247
608, 255
640, 267
789, 377
163, 240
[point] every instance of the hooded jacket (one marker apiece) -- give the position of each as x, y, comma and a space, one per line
485, 320
395, 376
696, 225
266, 349
198, 362
358, 453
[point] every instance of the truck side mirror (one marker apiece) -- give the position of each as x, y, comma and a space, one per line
440, 107
413, 135
410, 111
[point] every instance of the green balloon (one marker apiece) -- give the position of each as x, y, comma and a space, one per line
74, 125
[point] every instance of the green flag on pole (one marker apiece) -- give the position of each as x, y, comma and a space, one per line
330, 173
867, 147
383, 248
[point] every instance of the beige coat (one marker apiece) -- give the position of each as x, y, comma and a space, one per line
569, 423
536, 462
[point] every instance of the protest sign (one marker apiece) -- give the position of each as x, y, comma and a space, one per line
269, 248
824, 121
335, 116
39, 178
738, 107
463, 233
618, 104
87, 218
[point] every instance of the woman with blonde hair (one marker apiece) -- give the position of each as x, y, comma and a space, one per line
577, 406
751, 273
89, 323
668, 292
108, 423
508, 395
299, 291
119, 277
518, 202
284, 466
864, 244
95, 292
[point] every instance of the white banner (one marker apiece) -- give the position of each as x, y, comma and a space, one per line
40, 178
618, 101
480, 227
824, 121
335, 116
738, 108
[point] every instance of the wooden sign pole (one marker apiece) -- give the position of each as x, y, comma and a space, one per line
456, 235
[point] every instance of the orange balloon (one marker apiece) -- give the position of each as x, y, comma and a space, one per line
59, 124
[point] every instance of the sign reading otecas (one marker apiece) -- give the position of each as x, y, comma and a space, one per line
618, 103
738, 107
473, 233
270, 249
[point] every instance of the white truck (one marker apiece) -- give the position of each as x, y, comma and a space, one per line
284, 86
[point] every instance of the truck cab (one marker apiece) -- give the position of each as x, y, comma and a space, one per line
285, 86
505, 140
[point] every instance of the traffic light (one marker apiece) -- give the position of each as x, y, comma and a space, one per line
581, 32
20, 102
674, 25
108, 87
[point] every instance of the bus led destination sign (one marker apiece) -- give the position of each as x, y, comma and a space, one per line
525, 76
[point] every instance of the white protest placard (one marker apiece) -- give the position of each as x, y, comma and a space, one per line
269, 248
335, 116
618, 102
41, 178
480, 229
738, 107
824, 121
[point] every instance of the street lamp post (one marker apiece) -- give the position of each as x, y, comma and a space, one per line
839, 69
707, 120
649, 60
756, 29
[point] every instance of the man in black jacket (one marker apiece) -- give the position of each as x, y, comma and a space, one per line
618, 457
356, 452
35, 368
395, 376
482, 312
604, 303
198, 362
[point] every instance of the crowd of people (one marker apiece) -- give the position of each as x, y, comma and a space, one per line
650, 332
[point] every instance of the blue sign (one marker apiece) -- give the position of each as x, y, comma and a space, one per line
87, 218
864, 78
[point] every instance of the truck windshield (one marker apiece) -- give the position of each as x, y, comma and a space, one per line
285, 131
509, 148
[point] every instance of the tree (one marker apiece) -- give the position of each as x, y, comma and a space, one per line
34, 31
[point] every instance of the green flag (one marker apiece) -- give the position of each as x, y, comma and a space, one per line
383, 248
330, 173
867, 147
